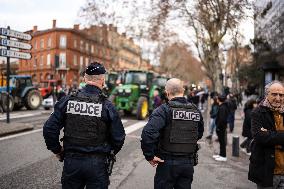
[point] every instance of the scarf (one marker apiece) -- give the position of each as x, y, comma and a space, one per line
267, 104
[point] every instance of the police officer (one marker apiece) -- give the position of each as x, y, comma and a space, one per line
92, 129
169, 139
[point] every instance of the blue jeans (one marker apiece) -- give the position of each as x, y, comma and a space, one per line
212, 126
176, 174
231, 121
79, 172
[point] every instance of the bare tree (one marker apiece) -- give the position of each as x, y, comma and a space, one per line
178, 61
207, 21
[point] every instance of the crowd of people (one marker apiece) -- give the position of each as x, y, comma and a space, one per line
93, 130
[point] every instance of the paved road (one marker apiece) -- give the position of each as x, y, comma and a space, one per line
25, 163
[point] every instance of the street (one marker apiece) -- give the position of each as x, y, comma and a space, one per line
26, 163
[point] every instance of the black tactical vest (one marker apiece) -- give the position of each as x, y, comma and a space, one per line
84, 126
180, 136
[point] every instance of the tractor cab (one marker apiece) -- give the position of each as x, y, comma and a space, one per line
132, 96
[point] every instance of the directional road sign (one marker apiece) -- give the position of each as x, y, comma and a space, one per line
15, 54
15, 34
16, 44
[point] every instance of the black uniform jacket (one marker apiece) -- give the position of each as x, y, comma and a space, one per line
262, 159
157, 121
56, 121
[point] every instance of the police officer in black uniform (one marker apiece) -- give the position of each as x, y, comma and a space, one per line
92, 129
169, 140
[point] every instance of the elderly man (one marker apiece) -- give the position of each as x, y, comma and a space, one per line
267, 159
169, 139
92, 129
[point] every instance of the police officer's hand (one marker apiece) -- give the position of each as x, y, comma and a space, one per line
60, 155
155, 161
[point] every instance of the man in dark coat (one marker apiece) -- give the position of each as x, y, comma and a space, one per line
92, 130
169, 140
221, 127
266, 167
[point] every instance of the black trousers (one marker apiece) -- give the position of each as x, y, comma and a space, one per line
81, 172
177, 174
222, 138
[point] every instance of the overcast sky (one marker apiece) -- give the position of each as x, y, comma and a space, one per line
22, 15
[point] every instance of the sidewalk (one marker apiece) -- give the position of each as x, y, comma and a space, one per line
11, 128
16, 126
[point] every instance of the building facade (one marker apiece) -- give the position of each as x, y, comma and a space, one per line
269, 38
63, 53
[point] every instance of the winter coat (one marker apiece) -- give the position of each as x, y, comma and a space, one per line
262, 159
247, 123
222, 116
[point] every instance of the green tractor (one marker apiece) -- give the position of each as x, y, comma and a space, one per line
135, 95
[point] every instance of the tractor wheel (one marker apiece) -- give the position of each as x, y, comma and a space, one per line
111, 98
4, 102
142, 108
33, 100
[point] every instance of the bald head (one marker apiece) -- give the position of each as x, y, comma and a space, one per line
174, 88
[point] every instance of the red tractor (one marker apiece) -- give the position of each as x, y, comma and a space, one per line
48, 87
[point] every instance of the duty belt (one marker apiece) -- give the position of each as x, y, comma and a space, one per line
176, 157
77, 154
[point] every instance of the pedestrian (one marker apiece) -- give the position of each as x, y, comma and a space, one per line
157, 100
246, 131
169, 139
92, 130
221, 127
232, 103
213, 115
266, 167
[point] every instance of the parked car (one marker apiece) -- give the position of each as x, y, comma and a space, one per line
48, 103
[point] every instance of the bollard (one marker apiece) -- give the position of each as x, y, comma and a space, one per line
235, 146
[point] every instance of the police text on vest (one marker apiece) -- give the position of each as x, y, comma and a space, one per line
84, 108
186, 115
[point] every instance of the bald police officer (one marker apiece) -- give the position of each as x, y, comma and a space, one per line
92, 129
169, 139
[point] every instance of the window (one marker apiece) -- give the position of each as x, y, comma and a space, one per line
35, 44
49, 42
92, 49
75, 43
62, 60
81, 45
87, 47
41, 44
35, 62
81, 61
75, 59
41, 60
87, 62
63, 41
48, 60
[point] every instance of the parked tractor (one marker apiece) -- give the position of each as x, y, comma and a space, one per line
135, 95
47, 87
22, 93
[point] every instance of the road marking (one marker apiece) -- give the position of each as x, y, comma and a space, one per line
18, 115
128, 130
124, 120
20, 134
134, 136
135, 127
